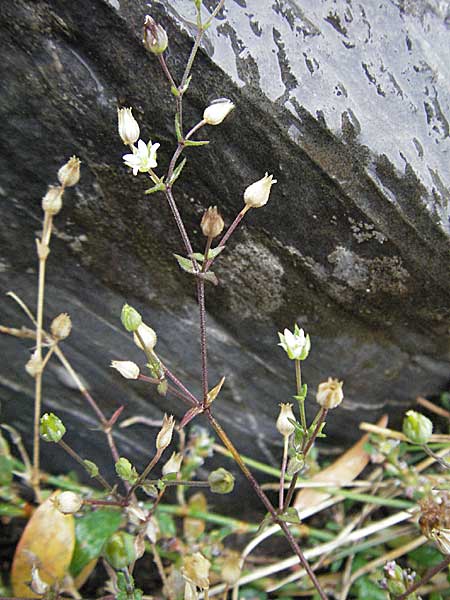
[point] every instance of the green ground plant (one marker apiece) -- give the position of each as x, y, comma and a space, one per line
378, 517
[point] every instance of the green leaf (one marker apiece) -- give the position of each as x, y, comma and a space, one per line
211, 277
290, 516
425, 557
166, 524
177, 171
178, 128
150, 489
91, 467
91, 532
211, 254
159, 187
365, 589
191, 143
187, 84
198, 256
175, 91
185, 263
6, 463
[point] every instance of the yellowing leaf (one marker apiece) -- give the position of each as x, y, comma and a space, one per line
47, 541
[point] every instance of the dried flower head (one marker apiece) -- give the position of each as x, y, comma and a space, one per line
34, 365
434, 520
173, 465
164, 436
128, 126
52, 201
329, 393
257, 194
155, 37
195, 570
61, 326
212, 223
69, 174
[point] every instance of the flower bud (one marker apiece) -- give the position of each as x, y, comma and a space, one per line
221, 481
38, 586
231, 568
257, 194
128, 126
417, 428
125, 470
68, 503
296, 345
51, 428
216, 112
34, 365
164, 436
120, 550
61, 326
173, 465
212, 223
126, 368
52, 201
130, 318
90, 467
69, 174
284, 425
329, 393
155, 37
148, 337
195, 570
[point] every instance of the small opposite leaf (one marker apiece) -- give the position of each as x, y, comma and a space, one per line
187, 84
177, 171
175, 91
159, 187
214, 392
290, 516
178, 128
48, 540
185, 263
215, 252
211, 277
191, 143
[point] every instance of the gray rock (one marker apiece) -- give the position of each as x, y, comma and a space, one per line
346, 102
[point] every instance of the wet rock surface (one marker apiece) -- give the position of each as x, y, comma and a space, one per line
346, 102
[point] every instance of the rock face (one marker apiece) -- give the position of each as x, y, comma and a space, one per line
346, 102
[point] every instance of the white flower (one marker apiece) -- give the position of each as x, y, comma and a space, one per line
126, 368
296, 344
68, 502
257, 194
216, 112
148, 337
329, 393
285, 417
128, 126
143, 158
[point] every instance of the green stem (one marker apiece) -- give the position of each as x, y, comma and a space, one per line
298, 381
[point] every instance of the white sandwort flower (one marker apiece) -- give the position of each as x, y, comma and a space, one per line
329, 393
69, 173
216, 112
128, 126
296, 345
257, 194
126, 368
143, 158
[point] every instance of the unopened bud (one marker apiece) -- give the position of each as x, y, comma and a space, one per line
126, 368
284, 425
125, 470
231, 568
120, 550
164, 436
257, 194
417, 428
61, 326
195, 570
38, 586
52, 201
329, 393
173, 465
69, 174
296, 345
155, 37
212, 223
130, 318
34, 365
51, 428
128, 126
216, 112
68, 502
145, 338
221, 481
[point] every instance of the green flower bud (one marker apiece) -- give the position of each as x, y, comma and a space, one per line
417, 428
91, 468
52, 428
130, 318
119, 550
125, 470
155, 37
221, 481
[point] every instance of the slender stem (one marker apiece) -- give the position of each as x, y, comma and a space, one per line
426, 578
180, 224
165, 68
262, 496
145, 472
80, 461
183, 388
206, 252
190, 62
443, 462
438, 410
195, 128
203, 340
322, 416
283, 471
298, 381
